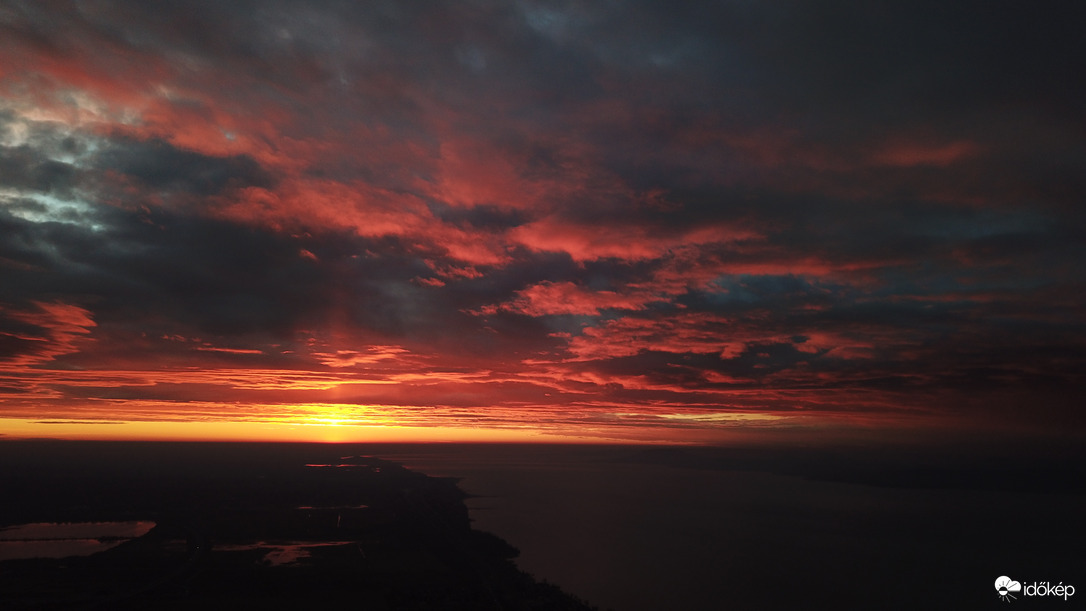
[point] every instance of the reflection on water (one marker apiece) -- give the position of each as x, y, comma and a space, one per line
344, 466
75, 530
347, 465
279, 554
60, 540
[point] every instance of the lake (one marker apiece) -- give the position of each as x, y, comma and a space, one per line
63, 539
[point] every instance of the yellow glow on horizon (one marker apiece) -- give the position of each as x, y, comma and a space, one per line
321, 423
376, 423
316, 431
329, 431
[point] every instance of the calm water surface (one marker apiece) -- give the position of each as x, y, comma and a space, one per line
635, 536
60, 540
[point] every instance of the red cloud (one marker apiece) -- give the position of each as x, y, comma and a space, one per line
586, 242
548, 298
350, 358
907, 154
56, 329
679, 333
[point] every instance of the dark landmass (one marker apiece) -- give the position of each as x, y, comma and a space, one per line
373, 535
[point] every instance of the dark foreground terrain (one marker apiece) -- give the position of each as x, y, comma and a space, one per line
253, 526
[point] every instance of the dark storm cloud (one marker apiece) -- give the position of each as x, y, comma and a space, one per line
159, 166
879, 62
479, 217
216, 276
161, 273
23, 168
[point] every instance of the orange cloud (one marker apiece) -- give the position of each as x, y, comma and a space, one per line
906, 154
56, 329
548, 298
587, 242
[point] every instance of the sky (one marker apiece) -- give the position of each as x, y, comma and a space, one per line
604, 221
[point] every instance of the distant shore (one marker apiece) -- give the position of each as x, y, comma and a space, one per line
364, 532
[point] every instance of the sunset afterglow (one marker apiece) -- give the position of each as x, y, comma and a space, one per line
535, 221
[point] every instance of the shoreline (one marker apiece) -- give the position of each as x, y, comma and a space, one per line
373, 532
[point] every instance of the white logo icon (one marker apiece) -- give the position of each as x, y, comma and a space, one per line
1005, 585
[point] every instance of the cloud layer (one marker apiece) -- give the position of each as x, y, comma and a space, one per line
578, 218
